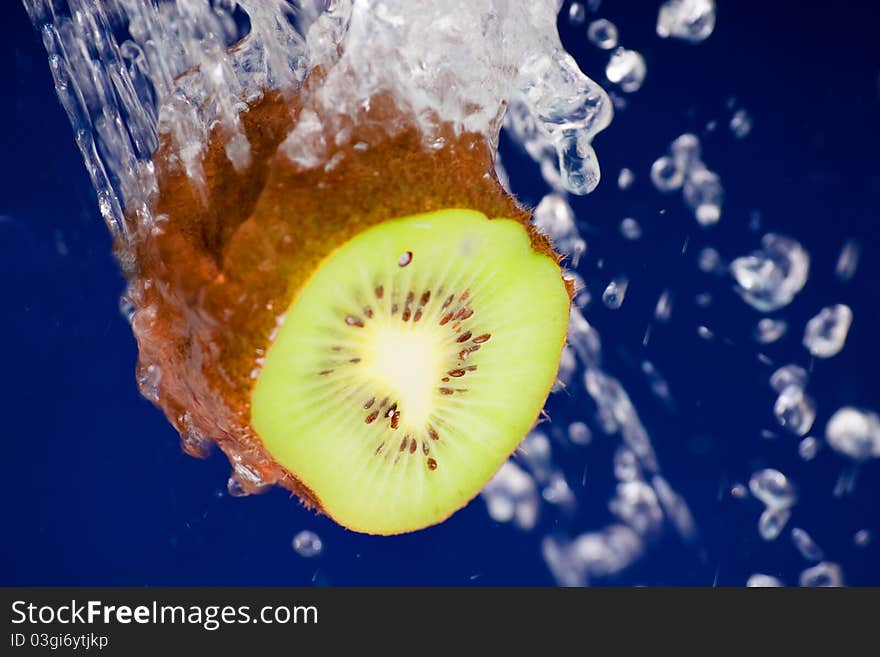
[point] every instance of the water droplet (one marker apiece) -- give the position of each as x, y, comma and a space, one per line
579, 433
773, 488
770, 278
709, 261
704, 195
511, 496
762, 581
555, 218
808, 448
630, 229
603, 34
687, 152
806, 545
848, 260
307, 544
577, 14
666, 175
663, 309
627, 69
855, 433
741, 124
862, 538
772, 522
826, 333
738, 491
770, 330
636, 504
615, 293
788, 375
625, 178
825, 574
795, 410
688, 20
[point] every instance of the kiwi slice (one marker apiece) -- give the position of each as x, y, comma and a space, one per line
410, 365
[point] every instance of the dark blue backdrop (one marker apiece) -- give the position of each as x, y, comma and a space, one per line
97, 490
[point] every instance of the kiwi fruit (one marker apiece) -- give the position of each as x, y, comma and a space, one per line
410, 365
376, 336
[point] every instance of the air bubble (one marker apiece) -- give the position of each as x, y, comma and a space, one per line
688, 20
770, 278
759, 580
602, 33
576, 14
625, 178
795, 410
854, 433
741, 124
769, 330
630, 229
579, 433
627, 69
825, 574
615, 292
666, 175
307, 544
806, 545
788, 375
772, 522
772, 488
825, 334
704, 195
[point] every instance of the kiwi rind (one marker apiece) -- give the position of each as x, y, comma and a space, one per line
211, 277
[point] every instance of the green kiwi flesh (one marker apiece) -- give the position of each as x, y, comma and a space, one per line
410, 365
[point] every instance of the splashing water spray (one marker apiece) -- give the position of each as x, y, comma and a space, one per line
330, 279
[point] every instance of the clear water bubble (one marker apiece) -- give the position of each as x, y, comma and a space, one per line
710, 261
577, 14
772, 522
769, 330
848, 260
689, 20
773, 489
825, 334
663, 309
704, 195
795, 410
789, 375
602, 33
741, 124
637, 505
686, 150
862, 538
808, 448
579, 433
567, 366
555, 218
666, 175
805, 544
625, 178
627, 69
615, 292
824, 574
759, 580
855, 433
630, 229
307, 544
511, 496
769, 278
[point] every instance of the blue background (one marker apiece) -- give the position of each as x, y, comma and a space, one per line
97, 491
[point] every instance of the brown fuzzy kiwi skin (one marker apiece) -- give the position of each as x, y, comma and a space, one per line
210, 282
